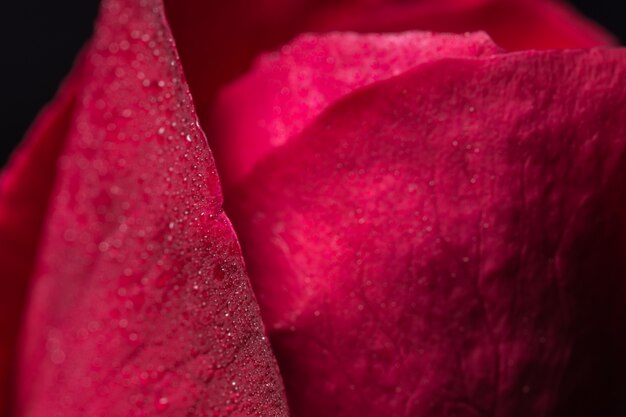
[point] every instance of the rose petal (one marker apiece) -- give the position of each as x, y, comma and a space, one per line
140, 304
451, 241
25, 188
286, 91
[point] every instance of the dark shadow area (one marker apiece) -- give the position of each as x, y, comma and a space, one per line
41, 40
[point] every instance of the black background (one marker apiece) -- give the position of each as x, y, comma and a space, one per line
42, 37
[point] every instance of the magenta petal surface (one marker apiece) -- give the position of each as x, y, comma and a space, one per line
25, 189
450, 242
285, 91
140, 305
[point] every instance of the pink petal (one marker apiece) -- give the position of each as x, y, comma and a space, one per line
25, 188
286, 91
450, 242
140, 304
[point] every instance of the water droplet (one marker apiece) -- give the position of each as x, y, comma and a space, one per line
162, 404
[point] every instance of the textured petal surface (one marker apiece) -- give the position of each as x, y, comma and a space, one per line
450, 242
140, 304
285, 91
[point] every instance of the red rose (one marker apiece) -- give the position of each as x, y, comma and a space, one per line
433, 226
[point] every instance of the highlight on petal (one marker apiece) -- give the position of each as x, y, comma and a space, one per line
140, 304
449, 241
287, 90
